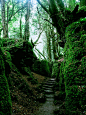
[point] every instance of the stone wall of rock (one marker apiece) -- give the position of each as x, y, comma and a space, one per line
5, 99
75, 66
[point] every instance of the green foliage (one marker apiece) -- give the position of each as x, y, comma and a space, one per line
83, 8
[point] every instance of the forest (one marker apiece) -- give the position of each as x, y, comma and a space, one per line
42, 57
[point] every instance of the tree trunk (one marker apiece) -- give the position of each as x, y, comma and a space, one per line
54, 48
21, 27
27, 33
48, 42
7, 18
3, 19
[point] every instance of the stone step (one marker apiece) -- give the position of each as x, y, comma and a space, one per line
49, 99
49, 95
49, 86
49, 83
48, 91
53, 79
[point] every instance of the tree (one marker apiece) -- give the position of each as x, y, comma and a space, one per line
27, 33
3, 19
61, 17
48, 36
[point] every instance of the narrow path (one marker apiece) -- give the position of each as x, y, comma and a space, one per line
48, 107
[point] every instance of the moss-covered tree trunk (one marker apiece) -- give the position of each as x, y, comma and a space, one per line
5, 100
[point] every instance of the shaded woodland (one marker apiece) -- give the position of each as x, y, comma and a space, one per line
60, 27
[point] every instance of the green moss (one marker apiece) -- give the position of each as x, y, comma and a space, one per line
44, 68
73, 98
75, 64
61, 78
41, 67
5, 100
55, 70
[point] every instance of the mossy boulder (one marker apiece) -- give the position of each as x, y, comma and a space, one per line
42, 67
75, 65
23, 55
5, 99
56, 70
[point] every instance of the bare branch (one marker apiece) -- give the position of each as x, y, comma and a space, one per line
40, 53
16, 11
38, 37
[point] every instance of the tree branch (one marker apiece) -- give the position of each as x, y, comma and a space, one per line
40, 53
43, 6
43, 18
16, 11
38, 37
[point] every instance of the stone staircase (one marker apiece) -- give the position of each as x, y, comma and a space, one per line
48, 107
49, 94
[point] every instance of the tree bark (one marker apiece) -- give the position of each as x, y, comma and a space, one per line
48, 36
7, 17
27, 33
21, 26
3, 18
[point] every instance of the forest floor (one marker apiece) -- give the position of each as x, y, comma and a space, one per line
23, 104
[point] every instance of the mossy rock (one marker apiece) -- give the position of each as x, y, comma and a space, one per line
41, 67
23, 56
55, 70
5, 99
75, 98
75, 65
36, 66
60, 96
82, 69
76, 44
83, 38
44, 68
75, 30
